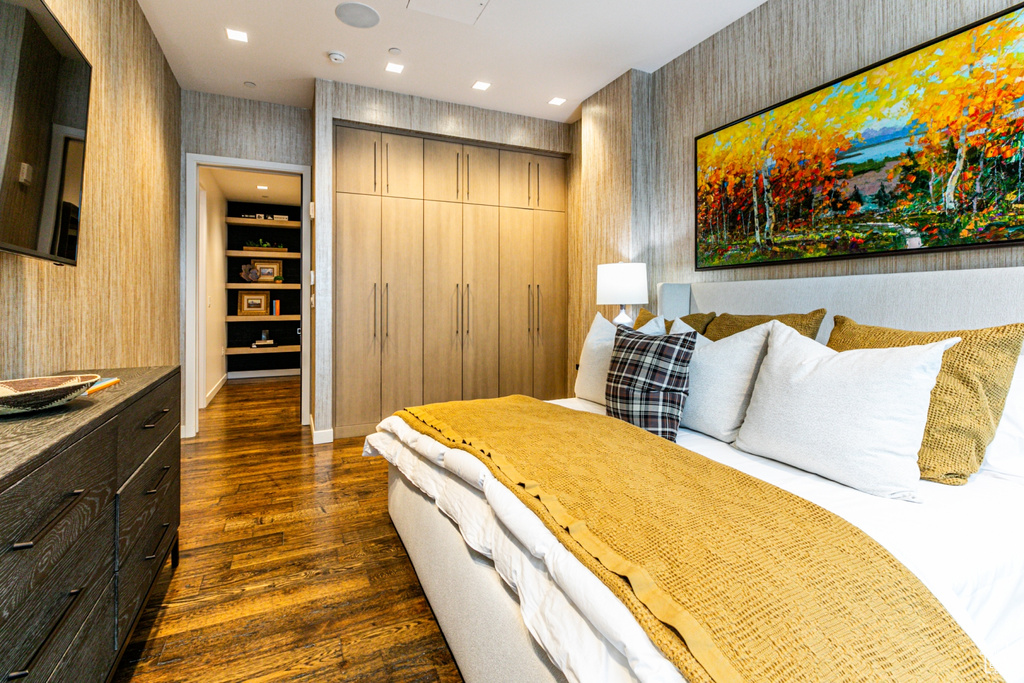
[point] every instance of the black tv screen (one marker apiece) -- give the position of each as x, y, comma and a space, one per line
44, 107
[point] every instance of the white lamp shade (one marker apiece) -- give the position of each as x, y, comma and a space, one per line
621, 283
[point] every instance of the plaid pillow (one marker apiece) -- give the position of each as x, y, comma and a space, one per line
649, 378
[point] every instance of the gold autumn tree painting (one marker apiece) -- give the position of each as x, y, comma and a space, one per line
924, 151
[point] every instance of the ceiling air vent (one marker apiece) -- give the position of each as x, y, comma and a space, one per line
463, 11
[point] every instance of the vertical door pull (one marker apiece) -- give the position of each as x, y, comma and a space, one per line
467, 190
529, 184
529, 309
374, 310
538, 309
465, 306
458, 295
387, 159
458, 180
387, 311
538, 188
375, 169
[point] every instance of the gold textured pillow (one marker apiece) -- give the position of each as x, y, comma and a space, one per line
698, 321
727, 324
968, 397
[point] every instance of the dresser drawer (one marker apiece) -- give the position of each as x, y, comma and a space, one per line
145, 423
37, 635
89, 659
141, 564
142, 495
44, 514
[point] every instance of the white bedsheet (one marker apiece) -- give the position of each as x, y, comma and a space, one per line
964, 543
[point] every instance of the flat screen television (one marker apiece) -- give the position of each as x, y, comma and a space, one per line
44, 106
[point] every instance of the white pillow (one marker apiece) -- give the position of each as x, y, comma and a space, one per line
855, 417
679, 327
1005, 455
596, 357
722, 378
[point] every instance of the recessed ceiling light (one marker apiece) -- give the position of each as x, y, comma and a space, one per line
357, 15
261, 187
240, 36
394, 51
249, 84
480, 85
557, 101
394, 68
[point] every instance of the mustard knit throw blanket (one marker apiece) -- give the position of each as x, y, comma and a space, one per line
732, 578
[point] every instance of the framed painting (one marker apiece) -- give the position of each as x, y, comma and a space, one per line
254, 303
924, 151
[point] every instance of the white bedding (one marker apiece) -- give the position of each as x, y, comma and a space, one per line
964, 543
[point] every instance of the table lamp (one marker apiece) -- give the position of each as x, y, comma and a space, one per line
621, 284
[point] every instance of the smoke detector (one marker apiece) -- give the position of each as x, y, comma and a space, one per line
336, 57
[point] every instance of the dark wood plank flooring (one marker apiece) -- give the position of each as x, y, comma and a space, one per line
290, 567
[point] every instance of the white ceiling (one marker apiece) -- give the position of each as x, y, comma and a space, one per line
530, 50
242, 186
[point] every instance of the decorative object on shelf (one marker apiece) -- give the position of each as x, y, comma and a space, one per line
260, 217
256, 302
250, 273
279, 278
620, 284
269, 270
280, 218
263, 245
919, 153
28, 395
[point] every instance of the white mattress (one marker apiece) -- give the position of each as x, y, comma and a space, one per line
962, 542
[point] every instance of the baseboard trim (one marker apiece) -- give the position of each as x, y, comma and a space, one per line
256, 374
320, 436
217, 387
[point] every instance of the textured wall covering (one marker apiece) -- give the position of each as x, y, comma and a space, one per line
784, 48
119, 306
357, 104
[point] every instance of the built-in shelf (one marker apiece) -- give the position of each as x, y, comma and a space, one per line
262, 285
257, 223
263, 254
263, 318
247, 350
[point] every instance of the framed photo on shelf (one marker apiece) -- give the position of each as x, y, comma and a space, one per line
254, 303
269, 270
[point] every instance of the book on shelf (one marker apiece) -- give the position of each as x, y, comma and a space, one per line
277, 307
260, 343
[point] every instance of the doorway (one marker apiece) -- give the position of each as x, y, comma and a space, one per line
247, 278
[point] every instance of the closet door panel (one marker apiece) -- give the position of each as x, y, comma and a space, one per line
403, 166
357, 310
551, 278
443, 297
480, 175
549, 183
516, 179
442, 171
516, 291
357, 160
402, 306
480, 301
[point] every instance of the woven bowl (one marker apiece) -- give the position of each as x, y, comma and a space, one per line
39, 393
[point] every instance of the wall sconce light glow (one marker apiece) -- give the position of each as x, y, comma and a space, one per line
557, 101
480, 85
261, 187
240, 36
394, 68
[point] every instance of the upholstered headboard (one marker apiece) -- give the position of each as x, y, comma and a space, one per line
931, 301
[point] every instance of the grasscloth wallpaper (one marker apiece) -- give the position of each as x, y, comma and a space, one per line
119, 306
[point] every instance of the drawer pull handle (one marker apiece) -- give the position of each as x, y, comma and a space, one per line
165, 469
60, 514
14, 675
166, 526
152, 422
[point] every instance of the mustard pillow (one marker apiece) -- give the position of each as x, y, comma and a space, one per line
698, 321
968, 397
727, 324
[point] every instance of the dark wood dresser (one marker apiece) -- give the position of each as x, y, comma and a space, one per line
89, 511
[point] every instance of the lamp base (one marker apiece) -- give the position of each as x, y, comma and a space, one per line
623, 318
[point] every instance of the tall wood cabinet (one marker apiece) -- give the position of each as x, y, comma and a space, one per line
449, 285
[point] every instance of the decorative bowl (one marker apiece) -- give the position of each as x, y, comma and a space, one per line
39, 393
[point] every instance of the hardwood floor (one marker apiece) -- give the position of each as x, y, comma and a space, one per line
290, 567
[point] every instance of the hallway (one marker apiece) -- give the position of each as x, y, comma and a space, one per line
290, 567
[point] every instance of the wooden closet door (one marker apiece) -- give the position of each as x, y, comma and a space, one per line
357, 160
551, 279
357, 313
480, 176
403, 166
442, 175
402, 306
480, 302
443, 295
549, 183
516, 291
516, 180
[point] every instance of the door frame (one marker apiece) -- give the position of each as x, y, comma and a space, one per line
193, 394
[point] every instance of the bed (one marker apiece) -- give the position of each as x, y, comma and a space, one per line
510, 616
